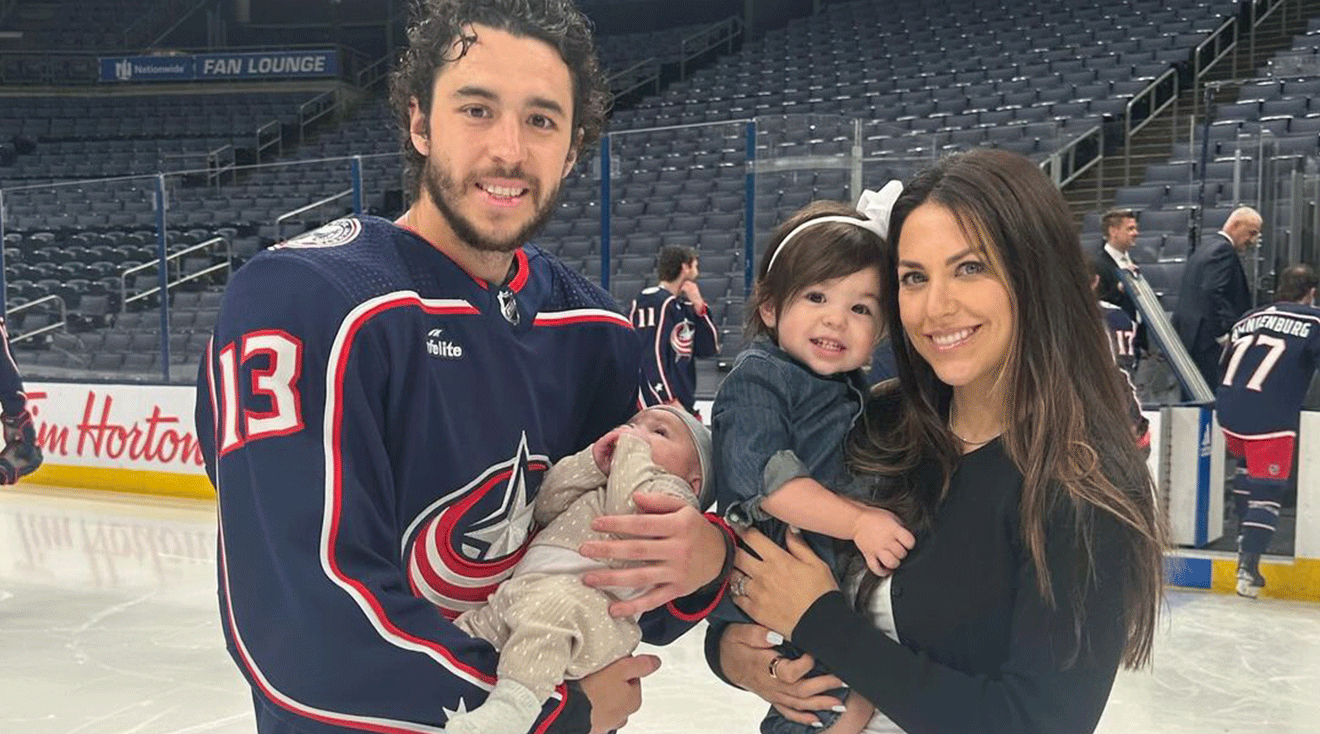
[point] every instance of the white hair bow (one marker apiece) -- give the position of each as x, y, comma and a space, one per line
876, 206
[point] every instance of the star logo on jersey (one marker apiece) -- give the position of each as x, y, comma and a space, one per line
1275, 470
681, 339
451, 713
470, 540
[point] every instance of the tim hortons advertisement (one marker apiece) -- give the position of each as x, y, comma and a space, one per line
139, 427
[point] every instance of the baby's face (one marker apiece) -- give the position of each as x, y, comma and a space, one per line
671, 443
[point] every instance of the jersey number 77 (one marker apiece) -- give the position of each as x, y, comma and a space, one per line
1262, 371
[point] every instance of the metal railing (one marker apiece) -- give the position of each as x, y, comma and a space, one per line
281, 219
1210, 52
60, 325
1259, 11
643, 73
183, 276
1076, 157
219, 162
1143, 108
374, 73
725, 32
313, 110
270, 135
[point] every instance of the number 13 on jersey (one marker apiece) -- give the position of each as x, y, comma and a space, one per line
273, 360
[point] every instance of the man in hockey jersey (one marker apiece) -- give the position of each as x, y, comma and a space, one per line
673, 323
20, 455
1122, 341
1271, 356
1122, 332
380, 401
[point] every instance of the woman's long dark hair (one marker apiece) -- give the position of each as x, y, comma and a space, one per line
1065, 425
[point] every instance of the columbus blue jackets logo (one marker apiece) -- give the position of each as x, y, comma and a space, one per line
681, 339
334, 234
470, 540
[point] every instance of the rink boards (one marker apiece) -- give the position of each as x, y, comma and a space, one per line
124, 438
141, 439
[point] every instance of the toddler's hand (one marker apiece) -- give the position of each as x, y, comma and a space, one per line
603, 450
882, 539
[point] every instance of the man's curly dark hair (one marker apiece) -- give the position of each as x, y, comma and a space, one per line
436, 26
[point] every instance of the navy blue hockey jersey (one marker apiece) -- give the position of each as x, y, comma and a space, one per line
377, 427
1272, 353
1122, 336
672, 334
12, 398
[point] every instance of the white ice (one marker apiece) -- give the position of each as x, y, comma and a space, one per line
108, 625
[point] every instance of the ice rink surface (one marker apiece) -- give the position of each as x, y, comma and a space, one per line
108, 625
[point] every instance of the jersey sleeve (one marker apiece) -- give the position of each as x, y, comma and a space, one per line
1313, 342
752, 435
1041, 687
705, 338
12, 397
293, 417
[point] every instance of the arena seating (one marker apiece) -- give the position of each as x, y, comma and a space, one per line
926, 77
87, 24
1278, 113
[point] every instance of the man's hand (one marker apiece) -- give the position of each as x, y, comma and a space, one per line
681, 549
615, 691
693, 293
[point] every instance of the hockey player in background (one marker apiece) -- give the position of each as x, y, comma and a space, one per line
381, 400
1271, 355
21, 455
673, 323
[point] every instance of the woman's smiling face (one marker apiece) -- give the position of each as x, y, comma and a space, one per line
955, 309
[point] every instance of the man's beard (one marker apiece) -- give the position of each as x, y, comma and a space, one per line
445, 194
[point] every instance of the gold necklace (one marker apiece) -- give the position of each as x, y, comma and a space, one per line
966, 441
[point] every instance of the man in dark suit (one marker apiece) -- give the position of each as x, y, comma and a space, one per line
1120, 227
1214, 291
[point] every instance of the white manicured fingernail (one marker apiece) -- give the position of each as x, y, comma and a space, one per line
817, 724
774, 638
838, 709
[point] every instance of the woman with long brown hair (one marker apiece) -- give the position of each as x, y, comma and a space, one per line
1038, 566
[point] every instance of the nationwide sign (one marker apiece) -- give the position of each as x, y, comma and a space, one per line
202, 67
